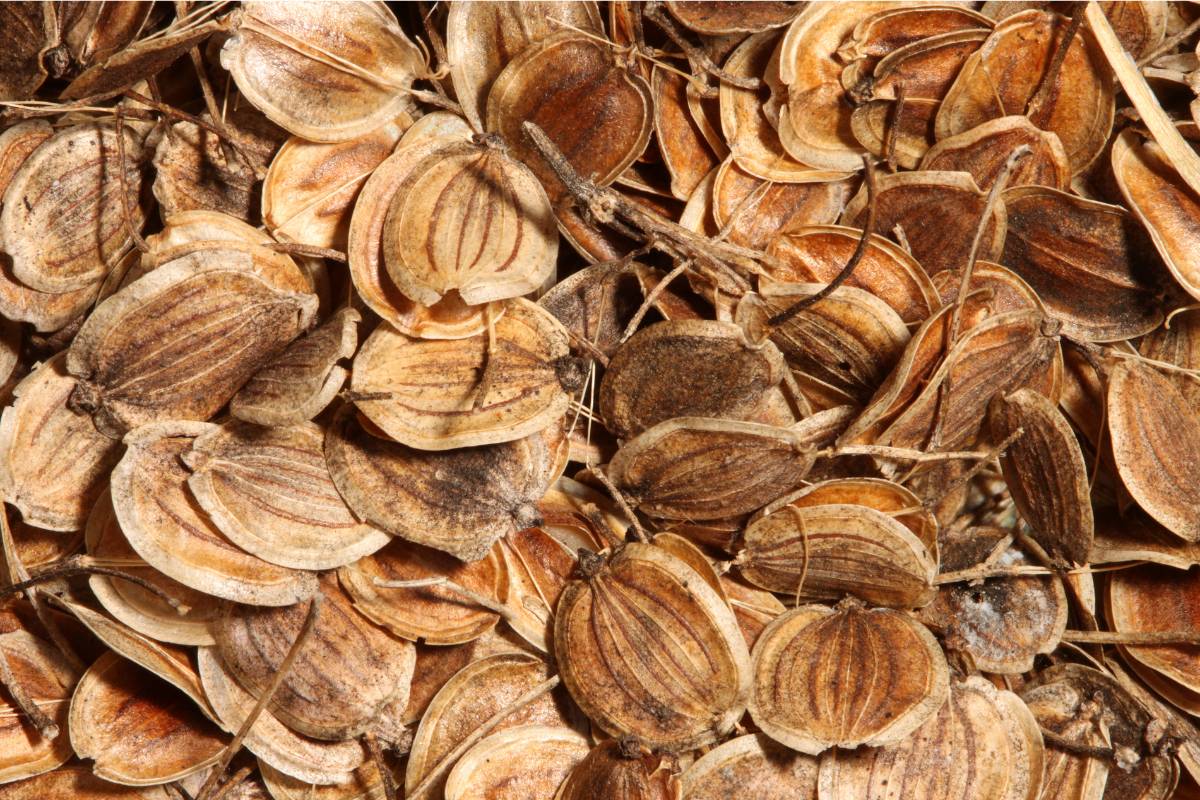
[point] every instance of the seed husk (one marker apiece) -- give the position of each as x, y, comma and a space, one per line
53, 461
1156, 446
845, 677
270, 492
755, 765
74, 783
302, 380
1074, 721
431, 614
983, 150
686, 153
324, 73
166, 527
458, 501
1152, 598
491, 388
365, 783
755, 211
666, 470
687, 684
139, 732
983, 744
536, 758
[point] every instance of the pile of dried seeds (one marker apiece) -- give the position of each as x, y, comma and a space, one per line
627, 400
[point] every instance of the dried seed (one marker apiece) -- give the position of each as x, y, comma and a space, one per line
538, 566
982, 744
720, 18
825, 552
1078, 108
439, 394
845, 677
670, 469
348, 671
62, 221
71, 783
756, 211
144, 59
29, 31
597, 303
459, 501
1150, 598
752, 765
900, 131
53, 461
687, 368
269, 491
431, 614
437, 239
310, 189
920, 70
533, 757
306, 759
302, 380
47, 679
364, 783
1073, 720
617, 770
168, 529
685, 678
1156, 446
139, 733
983, 150
686, 153
325, 73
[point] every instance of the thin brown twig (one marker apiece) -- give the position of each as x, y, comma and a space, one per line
1169, 43
1133, 638
231, 750
893, 132
126, 212
848, 270
235, 780
212, 127
385, 775
1078, 748
619, 496
695, 55
78, 566
1046, 86
297, 249
47, 727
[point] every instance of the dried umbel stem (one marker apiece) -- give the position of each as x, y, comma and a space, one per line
80, 565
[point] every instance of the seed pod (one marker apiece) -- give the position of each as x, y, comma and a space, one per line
425, 393
534, 757
348, 671
69, 184
884, 673
53, 462
982, 744
755, 211
824, 552
939, 213
195, 169
482, 38
841, 348
882, 495
48, 680
983, 150
687, 368
325, 73
589, 106
139, 733
164, 525
814, 126
691, 687
1156, 446
458, 501
29, 31
301, 381
686, 154
1078, 107
621, 771
309, 190
95, 33
467, 701
449, 319
887, 31
1001, 623
269, 491
1159, 198
234, 319
46, 311
700, 468
1151, 598
309, 760
1084, 260
436, 242
1071, 775
1178, 344
816, 254
753, 766
36, 547
432, 614
753, 141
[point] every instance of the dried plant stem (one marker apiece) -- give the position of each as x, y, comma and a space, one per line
848, 270
695, 55
1077, 748
216, 128
1133, 638
310, 621
905, 453
893, 131
1169, 43
583, 344
47, 727
236, 780
385, 775
1045, 88
984, 571
80, 565
652, 296
130, 228
293, 248
475, 597
443, 766
619, 496
719, 261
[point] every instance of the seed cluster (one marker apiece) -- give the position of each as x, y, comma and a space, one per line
665, 400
